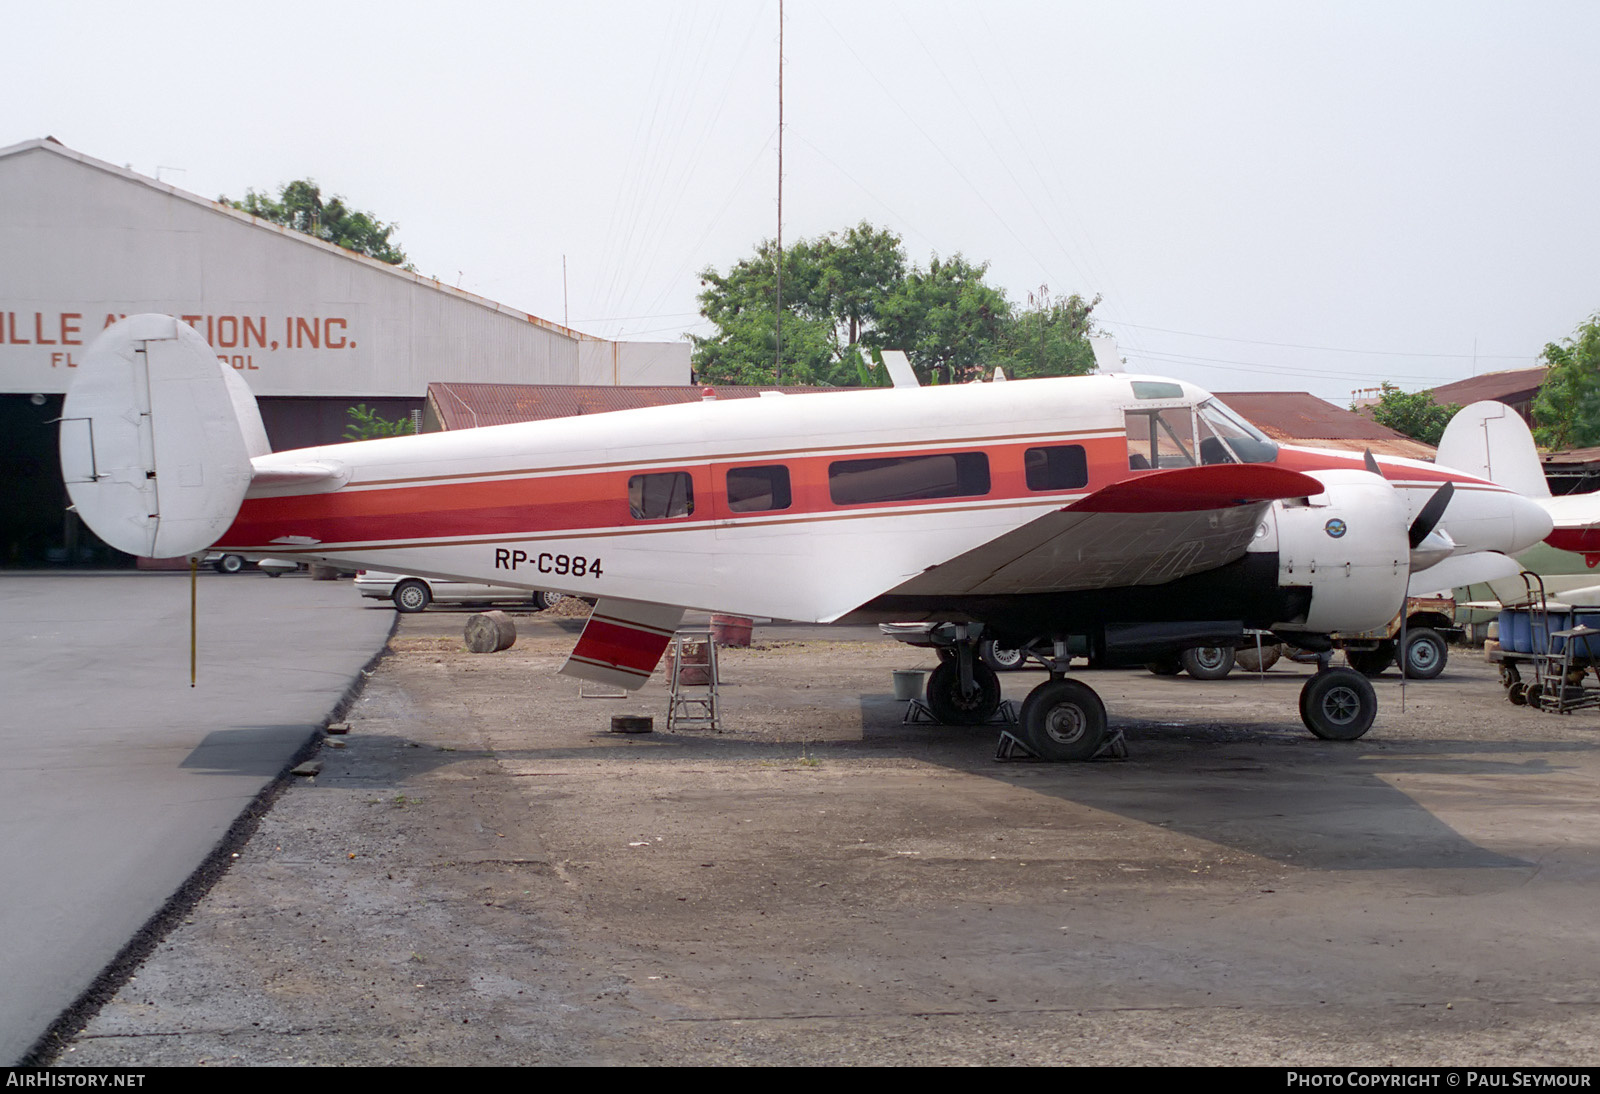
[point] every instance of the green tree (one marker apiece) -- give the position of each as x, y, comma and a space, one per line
745, 349
946, 318
848, 295
1566, 412
846, 277
1050, 337
832, 288
1415, 414
300, 206
366, 424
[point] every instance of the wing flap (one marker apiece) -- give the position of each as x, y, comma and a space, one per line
622, 642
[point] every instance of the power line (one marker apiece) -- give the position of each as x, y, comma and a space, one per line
1331, 349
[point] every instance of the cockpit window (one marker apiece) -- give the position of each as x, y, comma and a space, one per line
1160, 438
1226, 437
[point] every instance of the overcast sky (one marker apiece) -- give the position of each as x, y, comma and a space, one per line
1268, 196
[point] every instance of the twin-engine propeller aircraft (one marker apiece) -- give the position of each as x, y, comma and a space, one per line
1128, 516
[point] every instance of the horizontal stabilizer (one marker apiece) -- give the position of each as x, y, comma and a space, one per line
152, 450
622, 642
1476, 568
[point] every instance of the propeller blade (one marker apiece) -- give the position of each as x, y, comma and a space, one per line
1431, 512
1372, 465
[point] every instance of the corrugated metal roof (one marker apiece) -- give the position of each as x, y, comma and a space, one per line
1573, 456
1298, 417
55, 147
464, 406
1512, 385
1295, 415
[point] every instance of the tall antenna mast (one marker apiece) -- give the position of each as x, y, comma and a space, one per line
777, 370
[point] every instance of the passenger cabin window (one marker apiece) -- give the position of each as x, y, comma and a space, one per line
661, 495
1161, 438
908, 478
1062, 467
758, 489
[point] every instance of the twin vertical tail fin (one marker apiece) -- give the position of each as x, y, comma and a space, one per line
1490, 440
156, 439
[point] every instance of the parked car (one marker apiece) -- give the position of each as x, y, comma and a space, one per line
413, 594
237, 564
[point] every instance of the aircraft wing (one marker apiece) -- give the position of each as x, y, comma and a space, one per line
1141, 531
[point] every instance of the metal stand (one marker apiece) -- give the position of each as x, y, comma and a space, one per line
1561, 683
692, 664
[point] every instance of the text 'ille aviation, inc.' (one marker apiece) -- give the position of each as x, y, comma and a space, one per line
1127, 516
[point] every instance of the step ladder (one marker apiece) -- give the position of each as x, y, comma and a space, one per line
692, 672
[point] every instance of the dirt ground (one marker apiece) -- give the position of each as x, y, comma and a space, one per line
483, 874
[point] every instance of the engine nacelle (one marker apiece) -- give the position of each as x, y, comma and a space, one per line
1349, 546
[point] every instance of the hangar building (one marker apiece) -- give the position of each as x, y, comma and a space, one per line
311, 327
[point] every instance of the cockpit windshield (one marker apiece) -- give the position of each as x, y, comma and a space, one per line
1227, 438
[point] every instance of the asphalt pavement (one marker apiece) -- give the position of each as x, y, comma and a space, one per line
117, 779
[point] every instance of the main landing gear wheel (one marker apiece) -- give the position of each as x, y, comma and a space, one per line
1371, 662
954, 707
999, 658
1063, 720
412, 596
1207, 662
1338, 704
229, 564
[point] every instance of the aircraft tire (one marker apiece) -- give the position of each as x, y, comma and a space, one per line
1063, 720
544, 601
1371, 662
955, 709
1338, 705
1248, 659
1001, 659
412, 595
229, 564
1426, 654
1207, 662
